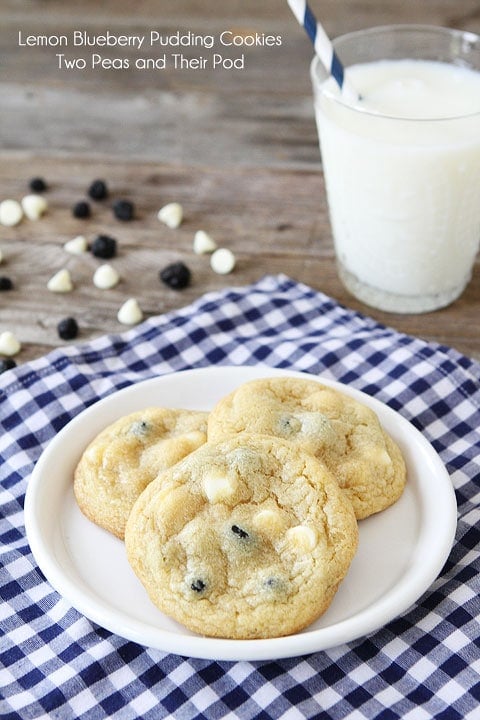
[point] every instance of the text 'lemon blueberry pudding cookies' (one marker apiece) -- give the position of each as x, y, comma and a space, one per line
127, 455
342, 432
247, 538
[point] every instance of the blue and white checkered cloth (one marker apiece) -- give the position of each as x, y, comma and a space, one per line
54, 663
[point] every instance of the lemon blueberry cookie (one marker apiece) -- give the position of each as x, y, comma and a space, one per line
127, 455
344, 433
247, 538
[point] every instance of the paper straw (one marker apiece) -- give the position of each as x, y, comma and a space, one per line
323, 47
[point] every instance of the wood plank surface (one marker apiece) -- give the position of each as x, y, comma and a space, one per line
237, 148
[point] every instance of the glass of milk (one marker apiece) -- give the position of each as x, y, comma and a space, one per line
402, 164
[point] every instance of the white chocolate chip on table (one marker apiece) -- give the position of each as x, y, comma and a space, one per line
171, 215
9, 344
34, 206
222, 261
130, 312
11, 213
105, 277
61, 282
76, 246
203, 243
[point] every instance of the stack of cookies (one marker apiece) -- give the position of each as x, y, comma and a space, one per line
242, 522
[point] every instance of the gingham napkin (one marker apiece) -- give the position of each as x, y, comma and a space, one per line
55, 663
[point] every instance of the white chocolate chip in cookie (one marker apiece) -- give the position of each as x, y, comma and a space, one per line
218, 488
302, 537
195, 437
269, 522
378, 455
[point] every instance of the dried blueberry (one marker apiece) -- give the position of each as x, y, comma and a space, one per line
176, 276
67, 328
98, 190
104, 246
274, 583
242, 534
198, 586
7, 364
271, 582
5, 283
289, 424
81, 209
140, 428
275, 588
123, 210
37, 185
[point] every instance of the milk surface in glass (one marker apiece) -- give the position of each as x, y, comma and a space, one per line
402, 172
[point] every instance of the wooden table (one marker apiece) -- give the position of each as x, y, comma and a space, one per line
237, 148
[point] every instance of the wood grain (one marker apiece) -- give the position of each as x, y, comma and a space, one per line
238, 149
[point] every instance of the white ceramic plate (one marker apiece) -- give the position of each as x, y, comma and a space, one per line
401, 550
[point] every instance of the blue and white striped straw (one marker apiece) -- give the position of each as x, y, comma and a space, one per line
323, 47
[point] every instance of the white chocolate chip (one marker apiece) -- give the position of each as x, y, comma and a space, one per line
61, 282
203, 243
194, 437
268, 521
219, 487
377, 456
222, 261
10, 213
130, 313
105, 277
9, 344
76, 246
302, 537
171, 214
34, 206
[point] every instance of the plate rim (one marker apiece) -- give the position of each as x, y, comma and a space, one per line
366, 621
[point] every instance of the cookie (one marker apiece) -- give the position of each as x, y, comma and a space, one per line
127, 455
345, 434
247, 538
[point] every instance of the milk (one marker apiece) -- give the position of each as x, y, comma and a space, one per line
402, 173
